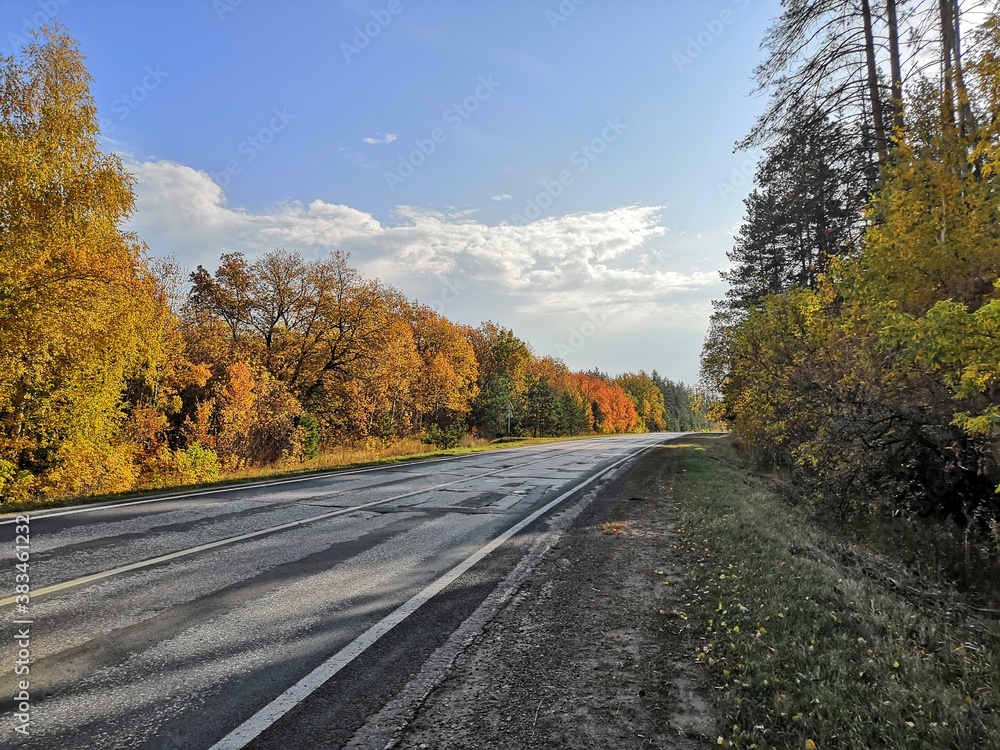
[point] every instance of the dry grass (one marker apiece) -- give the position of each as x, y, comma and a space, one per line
616, 528
339, 458
372, 453
806, 638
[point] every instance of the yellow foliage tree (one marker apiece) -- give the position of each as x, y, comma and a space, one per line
79, 317
446, 385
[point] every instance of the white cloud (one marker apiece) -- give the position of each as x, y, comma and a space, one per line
503, 197
553, 269
389, 138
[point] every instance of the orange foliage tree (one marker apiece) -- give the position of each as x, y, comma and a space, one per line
612, 411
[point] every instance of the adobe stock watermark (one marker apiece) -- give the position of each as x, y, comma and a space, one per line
581, 159
581, 333
739, 178
46, 13
453, 118
252, 146
248, 149
23, 620
128, 102
561, 13
709, 34
363, 35
597, 318
453, 289
224, 7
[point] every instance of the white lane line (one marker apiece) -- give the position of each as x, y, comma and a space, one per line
272, 483
253, 534
256, 724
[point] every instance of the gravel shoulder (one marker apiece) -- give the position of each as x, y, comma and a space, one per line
589, 647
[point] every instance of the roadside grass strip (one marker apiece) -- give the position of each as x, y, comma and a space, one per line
804, 647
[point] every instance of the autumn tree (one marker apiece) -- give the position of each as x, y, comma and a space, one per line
837, 91
611, 409
256, 418
503, 360
647, 399
447, 381
79, 313
500, 352
340, 343
877, 380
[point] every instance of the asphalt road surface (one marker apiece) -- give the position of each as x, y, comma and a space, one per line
277, 614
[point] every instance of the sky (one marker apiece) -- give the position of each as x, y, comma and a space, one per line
564, 168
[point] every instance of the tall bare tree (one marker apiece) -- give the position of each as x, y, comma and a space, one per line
874, 95
895, 63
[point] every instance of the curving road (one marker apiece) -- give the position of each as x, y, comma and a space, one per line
273, 614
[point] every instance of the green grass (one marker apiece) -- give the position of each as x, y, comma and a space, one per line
805, 638
339, 460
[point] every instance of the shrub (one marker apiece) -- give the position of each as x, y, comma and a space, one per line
445, 437
309, 426
15, 486
191, 465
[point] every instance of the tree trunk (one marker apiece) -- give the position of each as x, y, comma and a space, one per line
964, 107
873, 93
895, 65
948, 56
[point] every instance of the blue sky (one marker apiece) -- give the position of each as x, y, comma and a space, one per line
564, 168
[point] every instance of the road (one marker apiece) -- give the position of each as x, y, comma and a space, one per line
276, 614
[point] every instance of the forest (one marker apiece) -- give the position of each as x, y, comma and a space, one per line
121, 370
859, 343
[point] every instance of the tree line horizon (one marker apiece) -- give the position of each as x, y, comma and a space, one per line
121, 371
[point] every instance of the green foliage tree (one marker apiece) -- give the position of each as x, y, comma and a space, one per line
489, 409
541, 408
573, 414
679, 412
807, 208
309, 426
449, 436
